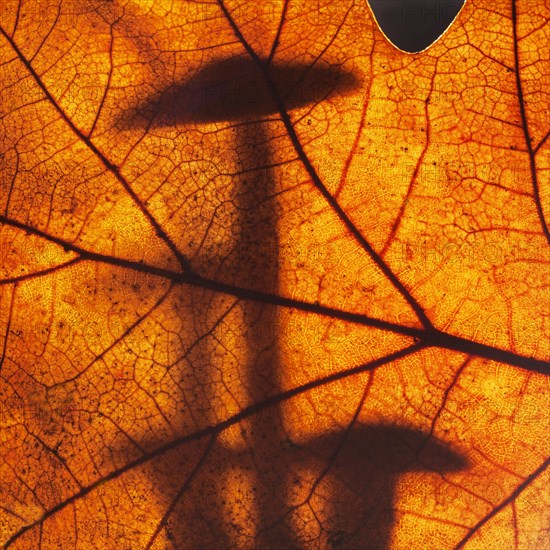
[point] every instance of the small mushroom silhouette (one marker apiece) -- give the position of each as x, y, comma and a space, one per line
368, 461
364, 466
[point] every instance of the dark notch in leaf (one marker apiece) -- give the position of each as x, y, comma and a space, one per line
234, 89
414, 25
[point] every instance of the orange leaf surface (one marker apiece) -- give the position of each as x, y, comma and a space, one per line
268, 281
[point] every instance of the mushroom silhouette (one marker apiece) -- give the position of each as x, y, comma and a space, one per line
361, 467
236, 90
367, 461
243, 93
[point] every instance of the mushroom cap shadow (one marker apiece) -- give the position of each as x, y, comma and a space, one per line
236, 89
392, 449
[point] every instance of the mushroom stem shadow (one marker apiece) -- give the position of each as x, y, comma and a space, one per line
258, 250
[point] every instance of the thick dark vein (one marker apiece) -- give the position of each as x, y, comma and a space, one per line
198, 281
304, 159
85, 254
104, 160
431, 337
292, 303
510, 499
219, 428
456, 343
525, 125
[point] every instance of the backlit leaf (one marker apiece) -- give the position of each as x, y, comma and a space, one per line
268, 281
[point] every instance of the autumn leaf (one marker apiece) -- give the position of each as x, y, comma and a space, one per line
268, 281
